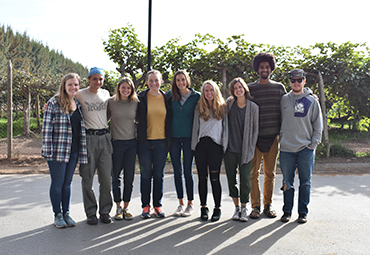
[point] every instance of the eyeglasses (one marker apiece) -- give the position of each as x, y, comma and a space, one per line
294, 80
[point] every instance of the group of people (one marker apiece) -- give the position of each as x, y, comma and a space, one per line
244, 131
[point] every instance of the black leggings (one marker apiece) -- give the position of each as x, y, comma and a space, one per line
208, 158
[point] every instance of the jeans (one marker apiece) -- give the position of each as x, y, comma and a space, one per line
152, 160
269, 171
124, 157
61, 183
184, 144
304, 162
208, 158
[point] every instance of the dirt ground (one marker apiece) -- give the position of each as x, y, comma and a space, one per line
26, 159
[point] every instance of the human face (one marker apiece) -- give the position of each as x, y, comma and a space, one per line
96, 82
239, 91
209, 93
72, 86
154, 82
264, 70
181, 82
125, 91
297, 87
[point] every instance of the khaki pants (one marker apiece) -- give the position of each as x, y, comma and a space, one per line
269, 170
99, 153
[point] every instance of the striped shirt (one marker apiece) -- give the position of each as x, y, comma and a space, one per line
57, 134
267, 97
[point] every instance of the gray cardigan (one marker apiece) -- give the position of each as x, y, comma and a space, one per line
250, 133
195, 133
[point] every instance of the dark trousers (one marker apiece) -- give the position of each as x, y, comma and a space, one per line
208, 157
124, 158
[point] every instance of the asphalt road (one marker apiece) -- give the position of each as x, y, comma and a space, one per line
338, 223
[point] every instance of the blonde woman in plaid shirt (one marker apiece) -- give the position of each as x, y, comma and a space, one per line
63, 146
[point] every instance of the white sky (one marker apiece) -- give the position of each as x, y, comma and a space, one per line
77, 28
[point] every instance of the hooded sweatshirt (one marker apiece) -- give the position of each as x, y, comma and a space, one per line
302, 123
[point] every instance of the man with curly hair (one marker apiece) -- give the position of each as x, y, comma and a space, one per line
267, 95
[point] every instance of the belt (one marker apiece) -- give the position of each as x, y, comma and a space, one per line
96, 131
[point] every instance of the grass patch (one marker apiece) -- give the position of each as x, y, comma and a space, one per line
17, 127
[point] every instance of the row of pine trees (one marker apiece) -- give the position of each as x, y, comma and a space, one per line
33, 56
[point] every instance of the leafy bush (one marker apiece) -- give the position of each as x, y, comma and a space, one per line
17, 127
336, 150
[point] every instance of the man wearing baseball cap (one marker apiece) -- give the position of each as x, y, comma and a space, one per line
94, 102
301, 130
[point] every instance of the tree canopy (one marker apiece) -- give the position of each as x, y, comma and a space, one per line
344, 67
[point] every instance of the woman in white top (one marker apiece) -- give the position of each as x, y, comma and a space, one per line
209, 140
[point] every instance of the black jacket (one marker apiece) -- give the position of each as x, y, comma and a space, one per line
142, 112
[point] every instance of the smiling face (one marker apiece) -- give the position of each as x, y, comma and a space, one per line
264, 70
239, 91
154, 82
297, 85
96, 82
181, 82
125, 91
71, 87
209, 92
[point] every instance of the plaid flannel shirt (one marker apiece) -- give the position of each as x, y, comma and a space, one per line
57, 134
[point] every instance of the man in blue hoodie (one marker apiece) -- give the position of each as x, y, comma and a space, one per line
301, 130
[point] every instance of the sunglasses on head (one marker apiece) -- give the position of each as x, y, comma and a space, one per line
298, 80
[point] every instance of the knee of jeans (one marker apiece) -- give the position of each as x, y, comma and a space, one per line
287, 186
306, 183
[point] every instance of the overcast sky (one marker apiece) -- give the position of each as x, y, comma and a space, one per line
77, 28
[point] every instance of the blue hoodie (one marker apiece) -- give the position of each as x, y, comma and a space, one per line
302, 123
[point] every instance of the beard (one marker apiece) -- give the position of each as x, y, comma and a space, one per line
265, 76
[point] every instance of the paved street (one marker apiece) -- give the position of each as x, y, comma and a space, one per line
338, 223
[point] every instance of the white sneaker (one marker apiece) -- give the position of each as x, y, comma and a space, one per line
188, 211
236, 213
179, 210
119, 215
243, 214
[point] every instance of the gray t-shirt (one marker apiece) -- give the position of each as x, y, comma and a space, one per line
184, 98
94, 108
122, 114
236, 117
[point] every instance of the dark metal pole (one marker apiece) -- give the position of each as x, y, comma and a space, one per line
149, 35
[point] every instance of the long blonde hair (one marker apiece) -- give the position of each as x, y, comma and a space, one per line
62, 96
218, 105
132, 97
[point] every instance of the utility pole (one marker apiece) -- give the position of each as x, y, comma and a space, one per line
149, 35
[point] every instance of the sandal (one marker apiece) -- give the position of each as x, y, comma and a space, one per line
255, 214
269, 211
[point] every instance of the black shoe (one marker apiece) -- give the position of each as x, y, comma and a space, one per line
302, 218
216, 214
92, 220
286, 217
204, 213
105, 218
